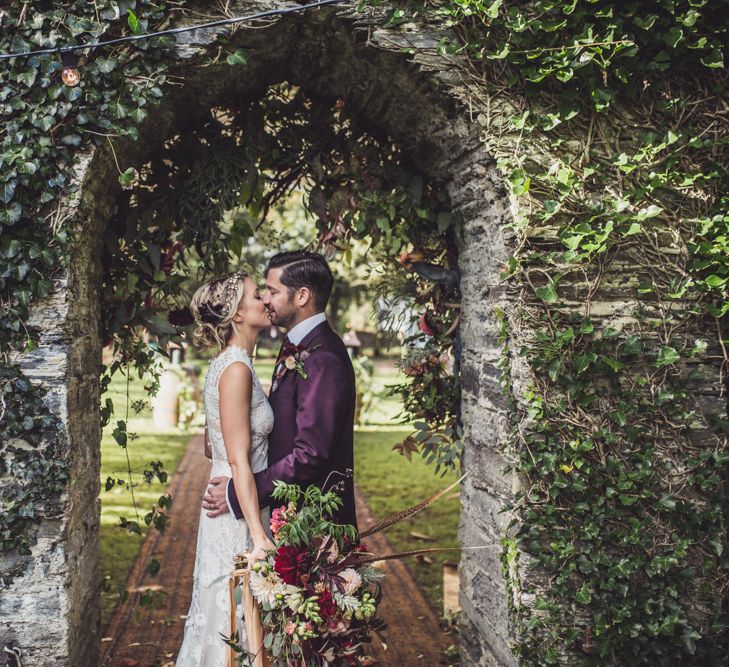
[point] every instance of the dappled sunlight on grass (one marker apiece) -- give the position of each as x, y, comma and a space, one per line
391, 483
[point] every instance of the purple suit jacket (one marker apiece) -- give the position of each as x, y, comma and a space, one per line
313, 429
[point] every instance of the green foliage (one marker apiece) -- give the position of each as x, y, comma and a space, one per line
33, 458
609, 124
313, 518
44, 124
606, 123
430, 395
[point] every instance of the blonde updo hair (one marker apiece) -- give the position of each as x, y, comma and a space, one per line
213, 306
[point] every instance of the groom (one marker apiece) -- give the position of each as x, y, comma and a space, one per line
313, 428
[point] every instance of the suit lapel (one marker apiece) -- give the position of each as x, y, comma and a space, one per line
278, 359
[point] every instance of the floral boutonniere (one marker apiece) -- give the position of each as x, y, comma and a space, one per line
293, 358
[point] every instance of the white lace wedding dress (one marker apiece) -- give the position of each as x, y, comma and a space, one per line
221, 538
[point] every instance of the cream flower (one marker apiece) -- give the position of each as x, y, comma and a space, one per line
352, 581
290, 363
333, 553
266, 588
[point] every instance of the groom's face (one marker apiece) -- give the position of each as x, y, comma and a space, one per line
279, 300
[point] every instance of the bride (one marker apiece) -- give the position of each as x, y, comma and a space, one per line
229, 315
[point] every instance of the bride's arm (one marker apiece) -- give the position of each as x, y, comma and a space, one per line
235, 391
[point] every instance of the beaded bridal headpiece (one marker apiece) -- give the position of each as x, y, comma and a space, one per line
219, 305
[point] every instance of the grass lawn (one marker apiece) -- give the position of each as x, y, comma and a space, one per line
391, 483
119, 547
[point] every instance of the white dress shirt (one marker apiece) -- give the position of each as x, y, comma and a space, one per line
305, 327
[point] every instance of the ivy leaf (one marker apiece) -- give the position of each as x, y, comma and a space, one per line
612, 363
238, 58
667, 502
28, 168
689, 638
9, 215
46, 123
22, 270
648, 212
500, 53
583, 596
645, 22
120, 433
133, 21
14, 247
7, 190
548, 293
129, 178
714, 60
158, 325
106, 65
667, 356
27, 77
718, 547
618, 416
674, 36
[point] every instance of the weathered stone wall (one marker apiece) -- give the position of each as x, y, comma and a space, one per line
49, 602
51, 609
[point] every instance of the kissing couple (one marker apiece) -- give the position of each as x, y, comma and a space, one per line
300, 434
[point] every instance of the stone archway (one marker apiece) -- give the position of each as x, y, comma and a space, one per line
424, 106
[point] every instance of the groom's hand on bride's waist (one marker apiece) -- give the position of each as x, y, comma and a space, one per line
214, 500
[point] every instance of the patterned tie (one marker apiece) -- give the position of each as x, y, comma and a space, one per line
277, 365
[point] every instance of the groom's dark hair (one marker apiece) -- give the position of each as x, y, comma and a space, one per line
302, 268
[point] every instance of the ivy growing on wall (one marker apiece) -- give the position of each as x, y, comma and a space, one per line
44, 126
610, 124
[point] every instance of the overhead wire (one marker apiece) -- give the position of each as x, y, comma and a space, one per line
174, 31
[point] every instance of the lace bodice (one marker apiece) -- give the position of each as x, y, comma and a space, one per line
261, 413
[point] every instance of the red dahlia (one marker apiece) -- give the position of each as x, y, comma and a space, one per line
327, 608
290, 564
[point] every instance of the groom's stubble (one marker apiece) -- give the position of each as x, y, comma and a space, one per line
288, 316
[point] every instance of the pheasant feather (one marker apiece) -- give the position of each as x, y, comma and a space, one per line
406, 514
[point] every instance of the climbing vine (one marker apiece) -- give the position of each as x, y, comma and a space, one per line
608, 123
44, 125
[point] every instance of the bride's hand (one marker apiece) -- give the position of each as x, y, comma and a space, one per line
260, 550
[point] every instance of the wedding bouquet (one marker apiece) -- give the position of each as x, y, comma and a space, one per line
316, 593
